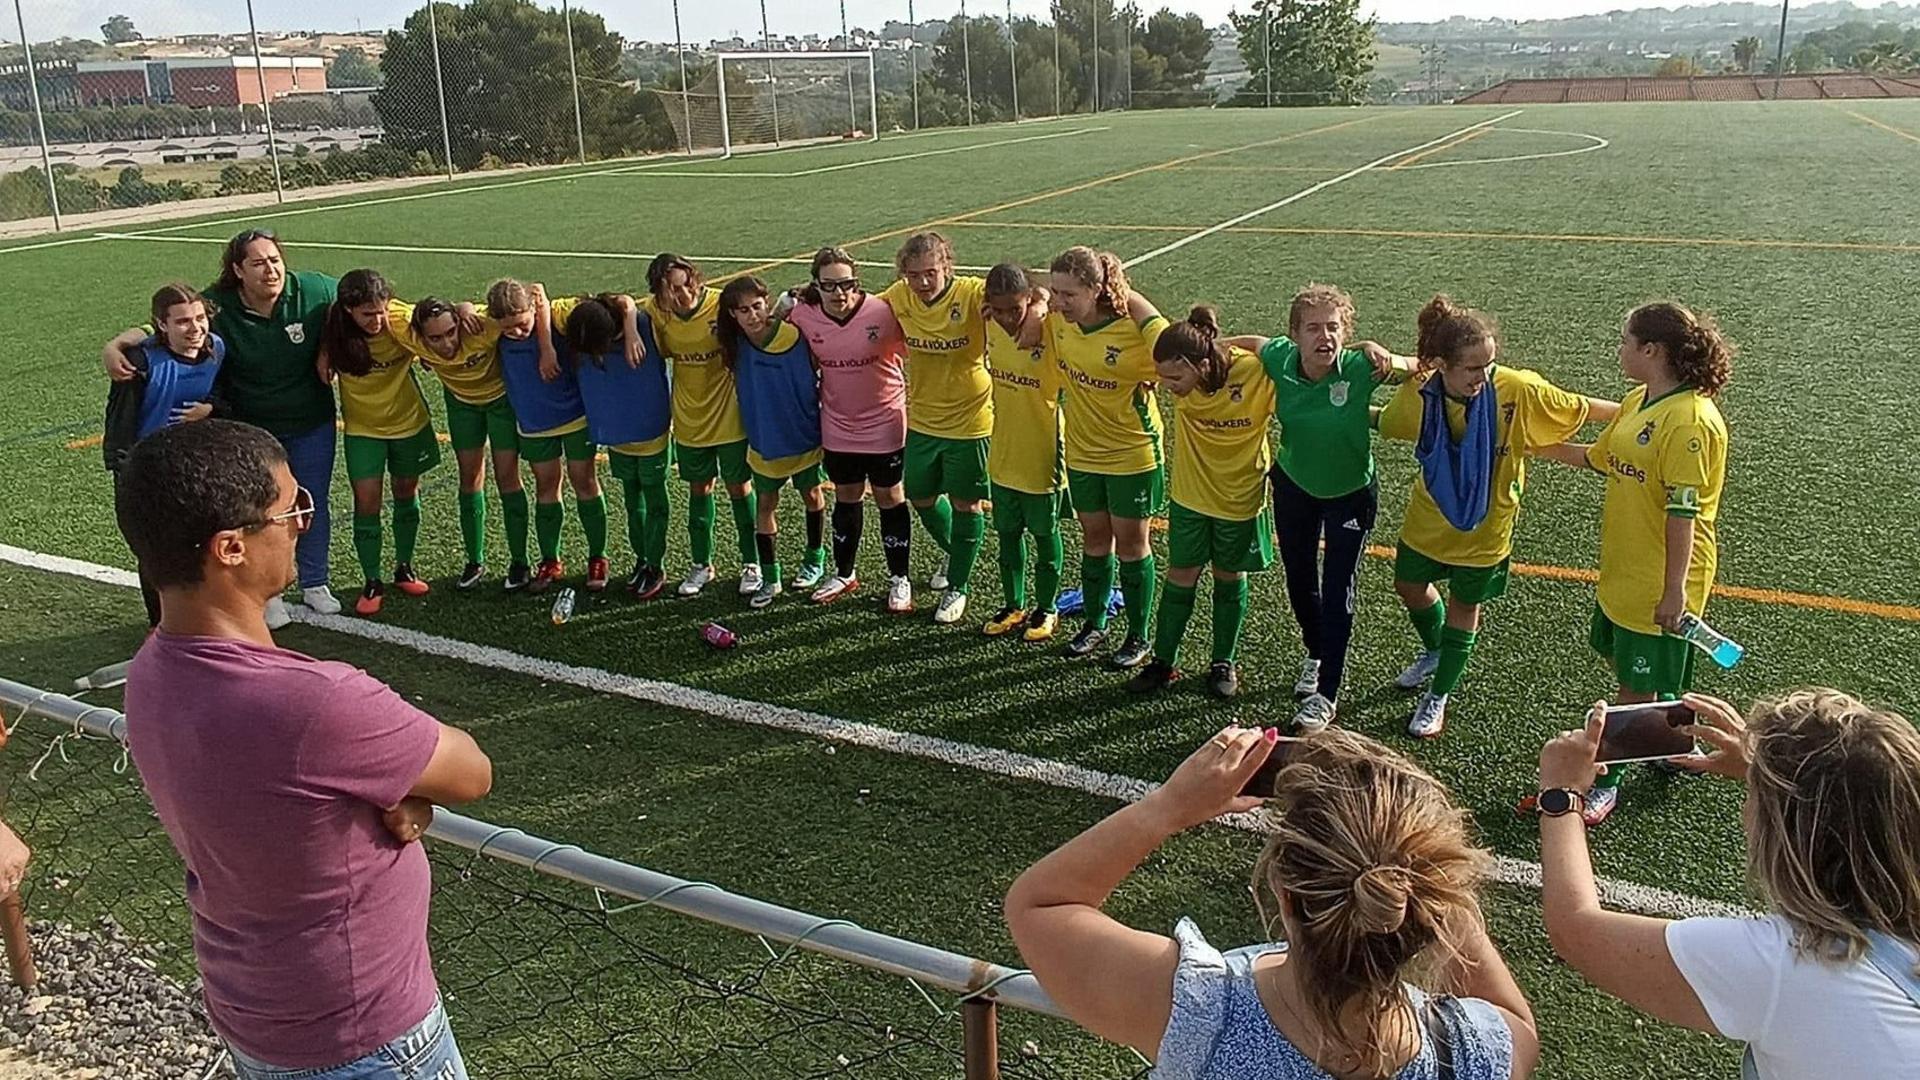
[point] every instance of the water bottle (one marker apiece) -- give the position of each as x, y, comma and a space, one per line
718, 636
563, 607
1724, 650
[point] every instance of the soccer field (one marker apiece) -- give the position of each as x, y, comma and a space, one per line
1793, 222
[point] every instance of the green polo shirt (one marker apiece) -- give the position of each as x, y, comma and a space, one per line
269, 378
1326, 438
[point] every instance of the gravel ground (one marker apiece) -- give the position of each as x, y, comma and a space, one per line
102, 1010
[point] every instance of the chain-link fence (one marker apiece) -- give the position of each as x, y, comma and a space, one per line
553, 962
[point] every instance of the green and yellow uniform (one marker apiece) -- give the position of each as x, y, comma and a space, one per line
709, 438
1026, 463
388, 430
572, 441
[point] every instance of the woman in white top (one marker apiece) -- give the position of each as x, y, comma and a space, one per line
1369, 875
1824, 984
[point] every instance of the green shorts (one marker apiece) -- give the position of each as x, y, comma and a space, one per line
1467, 584
1040, 515
1196, 539
805, 480
640, 468
728, 461
935, 466
471, 427
1140, 495
1644, 663
368, 457
540, 449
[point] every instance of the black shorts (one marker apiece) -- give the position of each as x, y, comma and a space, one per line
880, 470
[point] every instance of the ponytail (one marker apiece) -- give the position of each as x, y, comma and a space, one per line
1446, 328
1196, 340
1699, 355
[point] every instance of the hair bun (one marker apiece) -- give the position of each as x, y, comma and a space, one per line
1381, 895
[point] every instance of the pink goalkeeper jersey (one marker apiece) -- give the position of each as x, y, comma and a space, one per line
863, 377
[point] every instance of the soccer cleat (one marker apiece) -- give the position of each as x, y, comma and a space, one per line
951, 607
407, 581
1429, 716
319, 599
763, 596
1153, 678
1223, 679
518, 575
1006, 621
834, 588
809, 576
470, 576
1418, 672
696, 580
938, 582
751, 579
550, 571
1309, 681
1315, 715
899, 595
277, 614
1041, 626
646, 582
370, 599
596, 574
1131, 654
1087, 641
1601, 802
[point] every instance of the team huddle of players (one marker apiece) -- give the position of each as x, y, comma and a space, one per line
1016, 403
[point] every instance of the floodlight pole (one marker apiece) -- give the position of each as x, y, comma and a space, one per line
966, 59
913, 63
773, 91
686, 92
1093, 11
266, 105
573, 76
1126, 51
1780, 54
33, 88
439, 86
1056, 60
1013, 62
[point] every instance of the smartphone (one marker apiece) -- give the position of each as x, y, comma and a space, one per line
1261, 782
1647, 732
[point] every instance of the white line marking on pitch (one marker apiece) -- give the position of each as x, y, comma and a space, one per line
54, 243
1596, 143
1314, 190
842, 166
1645, 899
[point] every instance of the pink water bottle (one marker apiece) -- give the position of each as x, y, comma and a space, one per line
719, 636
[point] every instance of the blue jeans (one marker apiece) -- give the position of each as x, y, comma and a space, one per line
310, 459
424, 1052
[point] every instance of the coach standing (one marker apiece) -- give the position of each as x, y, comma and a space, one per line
270, 318
292, 788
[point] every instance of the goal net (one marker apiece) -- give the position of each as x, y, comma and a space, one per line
756, 100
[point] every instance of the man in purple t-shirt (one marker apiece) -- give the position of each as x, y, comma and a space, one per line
292, 788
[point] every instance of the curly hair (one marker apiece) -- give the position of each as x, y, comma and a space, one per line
1315, 295
1699, 355
662, 268
1099, 271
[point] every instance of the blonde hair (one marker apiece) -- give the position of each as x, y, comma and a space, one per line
1378, 871
921, 245
1314, 295
1099, 271
1835, 847
507, 298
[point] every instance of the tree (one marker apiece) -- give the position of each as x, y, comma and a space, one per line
1676, 67
118, 30
352, 67
1317, 51
1745, 52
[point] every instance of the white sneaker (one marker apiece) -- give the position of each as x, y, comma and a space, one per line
809, 576
750, 579
1309, 681
834, 588
277, 614
1429, 716
765, 594
1419, 671
696, 579
938, 582
899, 595
320, 599
1315, 715
951, 607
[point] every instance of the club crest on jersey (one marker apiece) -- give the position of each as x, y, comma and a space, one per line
1337, 393
1233, 391
873, 335
297, 333
1646, 434
1113, 356
953, 313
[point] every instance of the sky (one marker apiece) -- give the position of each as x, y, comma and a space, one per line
701, 20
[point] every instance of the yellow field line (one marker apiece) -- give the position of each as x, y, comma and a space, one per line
1248, 168
1421, 234
1908, 135
1424, 154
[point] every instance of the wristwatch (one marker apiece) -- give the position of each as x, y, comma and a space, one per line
1554, 802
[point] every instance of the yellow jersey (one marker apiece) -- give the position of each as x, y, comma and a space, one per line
1532, 413
1025, 454
1112, 418
949, 393
1221, 453
472, 375
386, 402
1662, 459
705, 410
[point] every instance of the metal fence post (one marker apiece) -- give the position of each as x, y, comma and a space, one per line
1126, 51
1266, 52
966, 59
39, 122
1093, 17
846, 44
686, 92
1056, 62
980, 1029
1013, 61
440, 86
573, 76
913, 63
266, 104
773, 88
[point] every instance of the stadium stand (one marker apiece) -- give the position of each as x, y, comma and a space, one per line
1693, 88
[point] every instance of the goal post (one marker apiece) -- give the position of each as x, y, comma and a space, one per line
758, 99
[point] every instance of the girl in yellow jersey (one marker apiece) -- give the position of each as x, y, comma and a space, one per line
708, 438
1664, 457
1104, 334
1223, 404
1025, 462
388, 430
1473, 423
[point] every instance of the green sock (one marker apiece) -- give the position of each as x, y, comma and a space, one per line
700, 528
473, 525
1096, 587
1136, 585
513, 505
406, 528
546, 529
636, 518
743, 514
1612, 777
1229, 615
366, 544
593, 522
969, 527
1427, 623
1176, 607
1456, 646
1013, 567
653, 494
1049, 555
938, 519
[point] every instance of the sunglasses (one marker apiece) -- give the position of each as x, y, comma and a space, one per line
301, 515
837, 285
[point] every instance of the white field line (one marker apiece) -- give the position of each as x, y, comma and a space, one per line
1645, 899
53, 243
842, 166
1306, 192
1595, 143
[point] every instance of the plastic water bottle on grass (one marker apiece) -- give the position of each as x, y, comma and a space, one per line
1724, 650
563, 607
